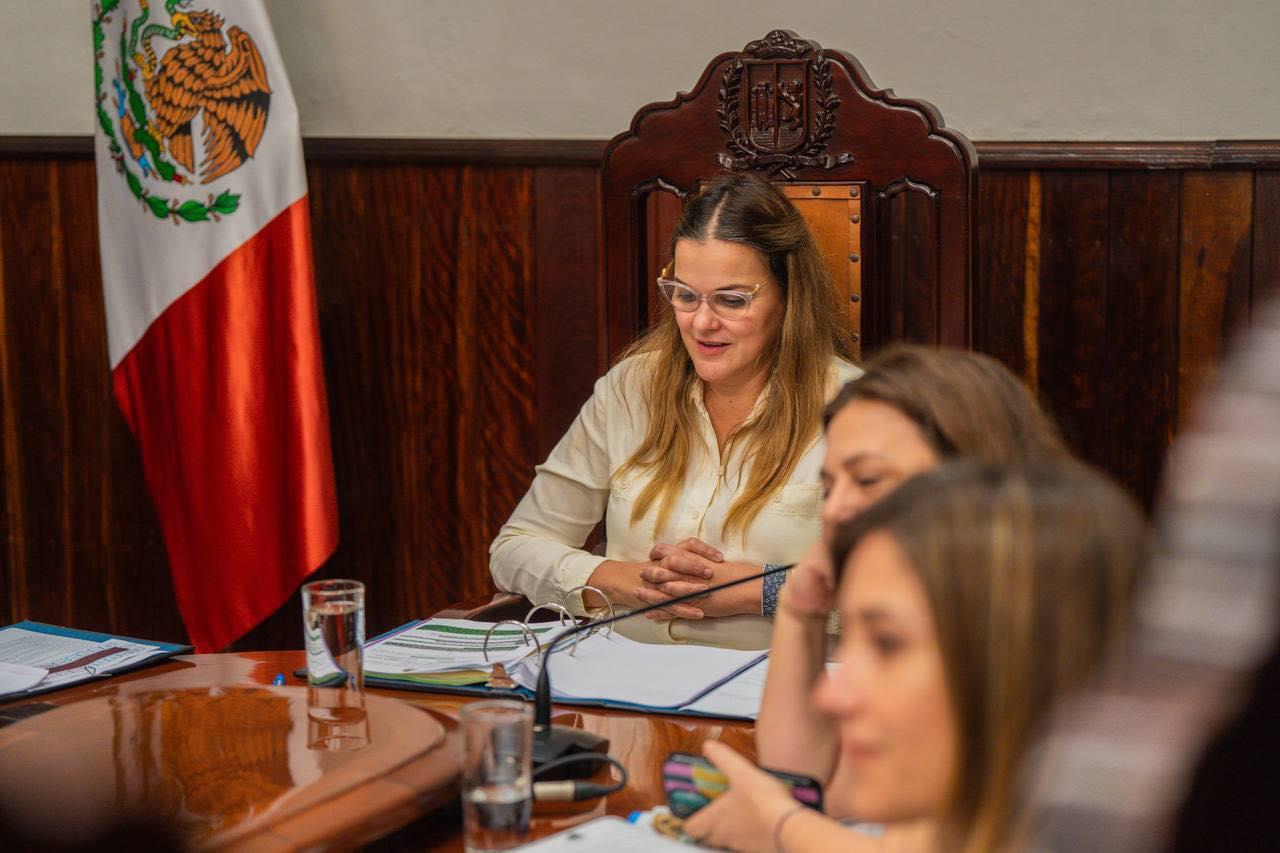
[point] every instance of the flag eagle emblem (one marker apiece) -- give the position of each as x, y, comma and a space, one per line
174, 73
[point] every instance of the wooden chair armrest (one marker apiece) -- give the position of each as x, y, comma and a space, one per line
500, 606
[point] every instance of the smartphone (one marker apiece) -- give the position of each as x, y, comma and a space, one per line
691, 781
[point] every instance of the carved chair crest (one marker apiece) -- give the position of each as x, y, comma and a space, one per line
809, 119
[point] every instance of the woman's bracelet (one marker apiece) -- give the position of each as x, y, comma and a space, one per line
770, 589
780, 823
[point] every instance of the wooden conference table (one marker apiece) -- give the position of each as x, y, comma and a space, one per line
163, 738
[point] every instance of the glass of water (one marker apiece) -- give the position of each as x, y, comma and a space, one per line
333, 631
336, 720
497, 790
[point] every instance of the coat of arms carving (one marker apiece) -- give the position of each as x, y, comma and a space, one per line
783, 85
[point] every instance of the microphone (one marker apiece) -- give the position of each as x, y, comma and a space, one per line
555, 742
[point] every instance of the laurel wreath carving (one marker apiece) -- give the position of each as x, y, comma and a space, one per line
190, 210
727, 110
828, 101
742, 153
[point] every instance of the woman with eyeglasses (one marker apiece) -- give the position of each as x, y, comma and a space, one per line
701, 448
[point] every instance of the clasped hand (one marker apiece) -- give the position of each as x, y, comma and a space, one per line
693, 566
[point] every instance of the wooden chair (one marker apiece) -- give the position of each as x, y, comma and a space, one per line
502, 605
887, 190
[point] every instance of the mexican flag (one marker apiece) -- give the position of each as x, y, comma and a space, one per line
211, 312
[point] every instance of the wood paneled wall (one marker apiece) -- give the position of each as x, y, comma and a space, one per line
1111, 291
459, 303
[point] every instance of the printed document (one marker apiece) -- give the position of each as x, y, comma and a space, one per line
436, 646
67, 657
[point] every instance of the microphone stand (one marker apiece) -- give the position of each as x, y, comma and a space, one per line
553, 742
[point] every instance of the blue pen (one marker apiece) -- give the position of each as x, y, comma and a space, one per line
278, 681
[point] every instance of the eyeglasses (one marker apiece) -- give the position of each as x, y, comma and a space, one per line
726, 304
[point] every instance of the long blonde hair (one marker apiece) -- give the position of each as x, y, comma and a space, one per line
1031, 574
750, 211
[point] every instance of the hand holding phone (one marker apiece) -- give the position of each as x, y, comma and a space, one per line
691, 781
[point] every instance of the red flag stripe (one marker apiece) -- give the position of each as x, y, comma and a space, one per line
225, 394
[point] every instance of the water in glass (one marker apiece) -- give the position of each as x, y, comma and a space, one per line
334, 644
496, 817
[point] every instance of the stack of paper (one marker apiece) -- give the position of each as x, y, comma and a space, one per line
36, 658
16, 678
637, 834
448, 651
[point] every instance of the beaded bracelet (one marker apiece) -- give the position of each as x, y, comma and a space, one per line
781, 822
772, 586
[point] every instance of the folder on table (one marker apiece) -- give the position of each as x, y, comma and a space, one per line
41, 657
604, 670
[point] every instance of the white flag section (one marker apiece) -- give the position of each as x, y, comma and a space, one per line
168, 119
211, 312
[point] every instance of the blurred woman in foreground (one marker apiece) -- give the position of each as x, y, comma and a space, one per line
970, 598
913, 408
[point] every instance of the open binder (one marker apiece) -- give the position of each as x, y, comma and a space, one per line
59, 657
604, 670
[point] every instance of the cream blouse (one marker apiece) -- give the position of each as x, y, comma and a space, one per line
538, 552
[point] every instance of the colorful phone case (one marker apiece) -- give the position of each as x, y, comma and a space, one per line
691, 781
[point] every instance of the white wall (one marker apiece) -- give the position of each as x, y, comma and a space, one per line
997, 69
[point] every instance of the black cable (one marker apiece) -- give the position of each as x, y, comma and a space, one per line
566, 790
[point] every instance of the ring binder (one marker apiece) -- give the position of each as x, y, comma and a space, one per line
528, 618
600, 616
443, 655
525, 631
563, 609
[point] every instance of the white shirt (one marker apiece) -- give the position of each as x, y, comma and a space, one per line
538, 552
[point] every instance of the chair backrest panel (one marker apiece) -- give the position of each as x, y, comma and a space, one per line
908, 265
833, 213
887, 189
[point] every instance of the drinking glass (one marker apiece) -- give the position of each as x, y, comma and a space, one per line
333, 631
336, 720
497, 789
